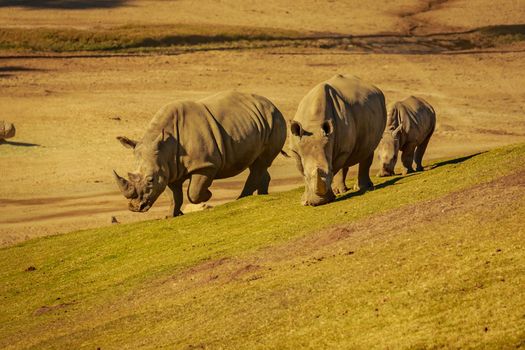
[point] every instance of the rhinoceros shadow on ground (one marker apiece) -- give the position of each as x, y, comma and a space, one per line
63, 4
9, 71
395, 179
454, 161
19, 144
376, 187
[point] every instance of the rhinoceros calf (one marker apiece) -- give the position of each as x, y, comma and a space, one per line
214, 138
7, 130
338, 124
410, 126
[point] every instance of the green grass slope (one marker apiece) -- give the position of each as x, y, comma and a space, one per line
429, 260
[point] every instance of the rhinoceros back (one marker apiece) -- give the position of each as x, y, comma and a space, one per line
360, 114
417, 117
227, 131
244, 126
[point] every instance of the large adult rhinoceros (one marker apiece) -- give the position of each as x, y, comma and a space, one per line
213, 138
338, 124
410, 126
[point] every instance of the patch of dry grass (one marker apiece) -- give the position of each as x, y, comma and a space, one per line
132, 37
193, 37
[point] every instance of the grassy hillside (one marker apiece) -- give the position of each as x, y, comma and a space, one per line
434, 259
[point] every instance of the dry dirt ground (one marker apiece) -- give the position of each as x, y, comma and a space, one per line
55, 175
348, 17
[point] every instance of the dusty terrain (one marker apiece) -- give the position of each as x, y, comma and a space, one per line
55, 175
350, 17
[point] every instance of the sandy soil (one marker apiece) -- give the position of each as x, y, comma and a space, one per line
56, 173
313, 16
344, 17
468, 14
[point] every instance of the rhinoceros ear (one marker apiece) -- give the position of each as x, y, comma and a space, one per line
296, 128
128, 143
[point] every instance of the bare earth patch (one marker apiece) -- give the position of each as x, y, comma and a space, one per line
56, 175
53, 308
65, 184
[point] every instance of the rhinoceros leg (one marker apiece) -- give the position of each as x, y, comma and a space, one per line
407, 157
420, 151
176, 203
258, 179
264, 183
198, 191
364, 183
339, 184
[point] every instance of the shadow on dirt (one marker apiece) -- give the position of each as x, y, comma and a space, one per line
454, 161
8, 71
18, 144
63, 4
508, 29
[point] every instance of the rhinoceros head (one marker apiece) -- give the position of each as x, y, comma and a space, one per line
151, 177
313, 148
387, 151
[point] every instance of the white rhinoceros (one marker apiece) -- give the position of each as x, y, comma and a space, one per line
338, 124
213, 138
410, 126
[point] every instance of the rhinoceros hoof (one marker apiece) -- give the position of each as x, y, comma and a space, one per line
340, 190
179, 213
364, 188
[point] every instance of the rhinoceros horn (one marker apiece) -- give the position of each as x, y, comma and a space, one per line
126, 187
320, 185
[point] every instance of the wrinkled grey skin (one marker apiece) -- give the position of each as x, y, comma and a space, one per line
410, 126
214, 138
338, 124
151, 177
7, 130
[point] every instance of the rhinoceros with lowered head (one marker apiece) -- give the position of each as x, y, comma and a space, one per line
410, 125
338, 124
213, 138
